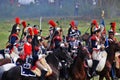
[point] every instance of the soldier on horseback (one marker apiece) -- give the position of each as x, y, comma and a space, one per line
111, 38
14, 36
13, 39
73, 30
73, 38
94, 25
54, 38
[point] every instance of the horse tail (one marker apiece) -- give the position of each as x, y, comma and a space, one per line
4, 76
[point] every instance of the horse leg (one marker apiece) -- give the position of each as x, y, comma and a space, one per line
101, 77
107, 76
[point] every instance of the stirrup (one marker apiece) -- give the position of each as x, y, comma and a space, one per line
94, 73
88, 74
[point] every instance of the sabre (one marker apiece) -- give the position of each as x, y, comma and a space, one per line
40, 24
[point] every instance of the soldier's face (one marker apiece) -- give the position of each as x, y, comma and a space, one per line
29, 40
111, 35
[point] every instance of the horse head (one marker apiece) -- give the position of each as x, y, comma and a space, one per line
63, 54
85, 36
117, 46
83, 52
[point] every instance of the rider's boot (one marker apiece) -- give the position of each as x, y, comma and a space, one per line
43, 73
87, 68
95, 63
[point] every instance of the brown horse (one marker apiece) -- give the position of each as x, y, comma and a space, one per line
111, 50
85, 37
117, 60
105, 73
77, 69
113, 47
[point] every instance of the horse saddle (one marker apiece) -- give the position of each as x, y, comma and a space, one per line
27, 72
117, 60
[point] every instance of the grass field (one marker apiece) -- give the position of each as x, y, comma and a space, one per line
6, 26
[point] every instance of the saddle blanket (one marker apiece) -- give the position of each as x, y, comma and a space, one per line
27, 72
101, 56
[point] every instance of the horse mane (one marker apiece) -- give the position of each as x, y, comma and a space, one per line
111, 49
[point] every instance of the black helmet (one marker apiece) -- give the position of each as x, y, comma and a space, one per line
111, 32
29, 36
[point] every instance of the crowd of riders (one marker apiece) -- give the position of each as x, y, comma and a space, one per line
31, 47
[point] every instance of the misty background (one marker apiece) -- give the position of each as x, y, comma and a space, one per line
59, 8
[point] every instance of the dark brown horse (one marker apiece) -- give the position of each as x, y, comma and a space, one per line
111, 50
52, 59
5, 61
77, 69
85, 37
117, 61
105, 73
110, 57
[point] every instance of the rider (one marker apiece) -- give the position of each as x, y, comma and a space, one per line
73, 35
39, 58
57, 38
14, 36
95, 46
111, 38
94, 25
73, 30
52, 33
27, 48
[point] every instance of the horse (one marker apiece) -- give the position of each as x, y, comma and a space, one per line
78, 69
111, 49
53, 60
102, 55
116, 62
85, 37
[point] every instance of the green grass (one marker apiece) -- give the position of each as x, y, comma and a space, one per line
6, 26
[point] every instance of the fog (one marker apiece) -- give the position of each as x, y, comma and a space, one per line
58, 8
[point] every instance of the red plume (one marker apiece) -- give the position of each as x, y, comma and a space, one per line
24, 24
35, 31
72, 23
30, 30
113, 24
17, 20
52, 23
95, 23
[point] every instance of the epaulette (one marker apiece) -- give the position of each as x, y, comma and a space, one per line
93, 38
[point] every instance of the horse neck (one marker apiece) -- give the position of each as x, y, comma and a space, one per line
111, 53
79, 63
53, 60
